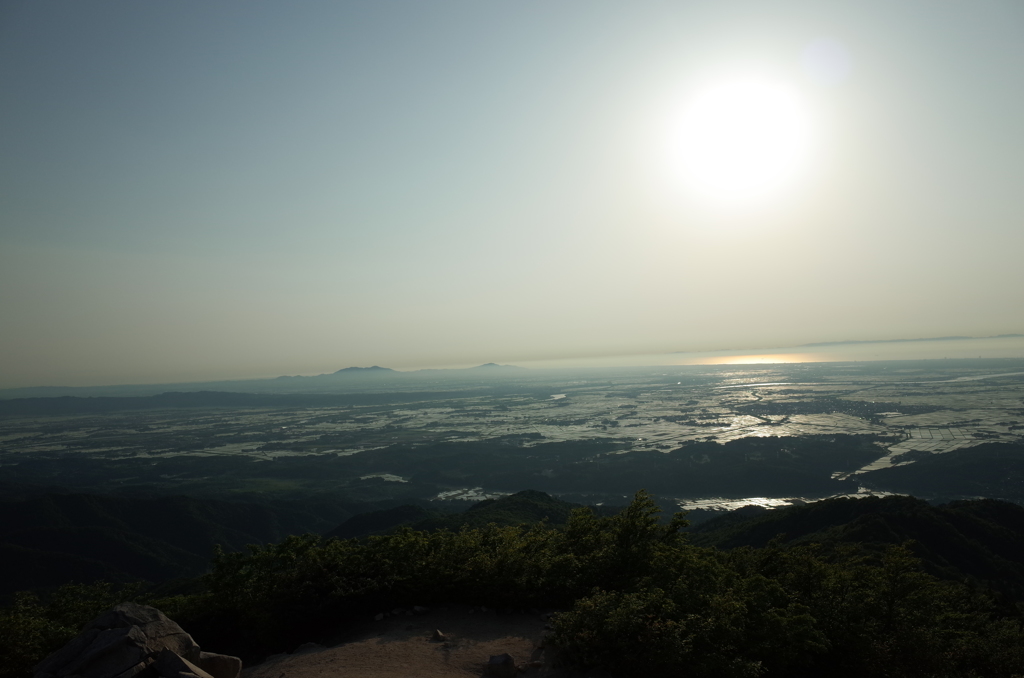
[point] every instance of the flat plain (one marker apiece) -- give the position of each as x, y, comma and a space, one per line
700, 437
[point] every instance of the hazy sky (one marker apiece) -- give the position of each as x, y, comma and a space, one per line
197, 189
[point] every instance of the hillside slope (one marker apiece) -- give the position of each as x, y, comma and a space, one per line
521, 508
982, 540
50, 539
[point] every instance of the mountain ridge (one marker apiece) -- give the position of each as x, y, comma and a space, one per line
270, 385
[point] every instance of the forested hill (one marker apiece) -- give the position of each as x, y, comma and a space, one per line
982, 540
634, 595
523, 508
993, 469
50, 539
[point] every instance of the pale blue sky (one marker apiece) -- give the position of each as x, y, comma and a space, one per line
197, 189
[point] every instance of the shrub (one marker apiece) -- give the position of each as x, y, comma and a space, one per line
30, 629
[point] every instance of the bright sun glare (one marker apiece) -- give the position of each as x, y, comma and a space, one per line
742, 140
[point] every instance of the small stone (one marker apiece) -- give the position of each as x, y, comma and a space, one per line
438, 637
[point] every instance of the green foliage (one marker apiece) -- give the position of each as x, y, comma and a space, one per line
704, 617
606, 628
639, 600
980, 540
642, 600
27, 636
30, 628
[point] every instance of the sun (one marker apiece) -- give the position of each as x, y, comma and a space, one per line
742, 140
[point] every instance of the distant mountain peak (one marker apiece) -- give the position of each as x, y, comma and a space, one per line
492, 366
364, 370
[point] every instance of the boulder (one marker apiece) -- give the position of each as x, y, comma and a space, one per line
129, 639
220, 665
161, 633
108, 653
170, 665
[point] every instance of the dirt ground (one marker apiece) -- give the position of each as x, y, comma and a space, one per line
402, 647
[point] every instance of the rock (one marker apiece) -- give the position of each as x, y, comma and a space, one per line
129, 639
220, 665
109, 652
161, 632
134, 670
501, 666
438, 637
61, 657
170, 665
